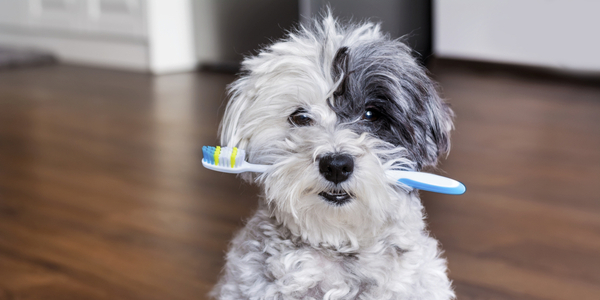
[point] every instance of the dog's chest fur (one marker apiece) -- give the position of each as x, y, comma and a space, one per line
267, 261
315, 269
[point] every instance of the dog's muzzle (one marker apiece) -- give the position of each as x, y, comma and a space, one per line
336, 168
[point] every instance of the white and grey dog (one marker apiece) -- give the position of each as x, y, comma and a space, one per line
331, 108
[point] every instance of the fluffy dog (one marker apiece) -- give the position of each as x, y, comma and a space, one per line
331, 108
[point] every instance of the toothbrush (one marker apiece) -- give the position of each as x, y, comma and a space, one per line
233, 160
228, 160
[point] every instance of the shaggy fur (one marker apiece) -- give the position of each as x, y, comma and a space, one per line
329, 90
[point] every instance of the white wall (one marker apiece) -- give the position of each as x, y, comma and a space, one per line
170, 36
562, 34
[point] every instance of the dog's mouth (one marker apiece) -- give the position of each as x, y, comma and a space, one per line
336, 197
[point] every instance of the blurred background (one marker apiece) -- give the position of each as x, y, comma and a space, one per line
105, 105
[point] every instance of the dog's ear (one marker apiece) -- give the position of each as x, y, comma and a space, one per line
438, 116
426, 119
239, 101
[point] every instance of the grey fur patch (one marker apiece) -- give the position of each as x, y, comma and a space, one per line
399, 250
339, 69
384, 76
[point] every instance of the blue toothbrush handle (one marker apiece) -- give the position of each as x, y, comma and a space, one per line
429, 182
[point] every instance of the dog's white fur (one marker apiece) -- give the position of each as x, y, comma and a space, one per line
298, 246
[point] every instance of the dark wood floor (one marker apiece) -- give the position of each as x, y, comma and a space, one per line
102, 193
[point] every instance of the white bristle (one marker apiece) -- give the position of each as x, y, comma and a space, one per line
225, 157
241, 157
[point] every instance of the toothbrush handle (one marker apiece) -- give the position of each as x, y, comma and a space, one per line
248, 167
428, 182
245, 167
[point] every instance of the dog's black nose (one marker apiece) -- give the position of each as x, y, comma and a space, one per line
336, 167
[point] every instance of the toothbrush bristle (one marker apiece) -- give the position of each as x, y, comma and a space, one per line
208, 154
223, 156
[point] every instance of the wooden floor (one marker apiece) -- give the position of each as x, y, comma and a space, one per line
102, 193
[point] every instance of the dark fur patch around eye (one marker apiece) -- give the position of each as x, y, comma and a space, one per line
383, 74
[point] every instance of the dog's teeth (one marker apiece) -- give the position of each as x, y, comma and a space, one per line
337, 193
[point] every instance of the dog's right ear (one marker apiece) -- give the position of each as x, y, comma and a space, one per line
230, 127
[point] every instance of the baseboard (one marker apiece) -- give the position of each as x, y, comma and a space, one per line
120, 54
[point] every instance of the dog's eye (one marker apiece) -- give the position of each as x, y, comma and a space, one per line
371, 114
300, 118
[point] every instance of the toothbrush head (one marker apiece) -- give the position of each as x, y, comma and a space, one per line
223, 156
228, 160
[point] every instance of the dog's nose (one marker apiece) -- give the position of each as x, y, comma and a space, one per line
336, 167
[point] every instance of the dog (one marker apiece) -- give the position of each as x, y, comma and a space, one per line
330, 108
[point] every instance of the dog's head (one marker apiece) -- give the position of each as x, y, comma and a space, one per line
332, 108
